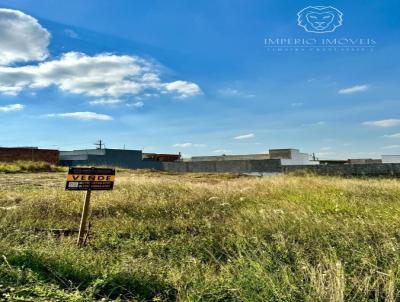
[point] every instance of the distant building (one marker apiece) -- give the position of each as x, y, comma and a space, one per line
390, 159
161, 157
133, 159
29, 154
287, 157
353, 161
333, 161
291, 157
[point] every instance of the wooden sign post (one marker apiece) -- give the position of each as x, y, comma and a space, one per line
88, 179
85, 214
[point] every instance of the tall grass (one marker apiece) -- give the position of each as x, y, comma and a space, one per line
28, 166
199, 237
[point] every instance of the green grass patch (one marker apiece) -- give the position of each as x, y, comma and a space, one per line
28, 166
204, 237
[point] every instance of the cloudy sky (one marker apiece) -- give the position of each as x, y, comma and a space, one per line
196, 77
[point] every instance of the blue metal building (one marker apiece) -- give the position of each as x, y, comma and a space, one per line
132, 159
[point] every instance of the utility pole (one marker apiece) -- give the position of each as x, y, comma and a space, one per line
99, 144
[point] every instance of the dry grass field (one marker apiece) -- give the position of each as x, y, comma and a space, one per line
201, 237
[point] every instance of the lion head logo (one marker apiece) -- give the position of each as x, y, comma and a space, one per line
320, 19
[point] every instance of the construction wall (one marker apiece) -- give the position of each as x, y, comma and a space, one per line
349, 169
391, 159
31, 154
274, 165
230, 157
133, 159
238, 166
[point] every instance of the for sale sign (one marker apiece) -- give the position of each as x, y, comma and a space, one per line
80, 179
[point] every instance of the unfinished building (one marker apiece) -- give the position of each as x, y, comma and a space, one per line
287, 157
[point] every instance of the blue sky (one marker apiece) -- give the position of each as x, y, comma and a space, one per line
195, 77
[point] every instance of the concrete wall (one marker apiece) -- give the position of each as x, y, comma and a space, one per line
349, 170
273, 165
230, 157
133, 159
32, 154
287, 156
364, 161
238, 166
390, 159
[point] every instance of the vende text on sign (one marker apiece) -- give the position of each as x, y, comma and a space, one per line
90, 179
83, 177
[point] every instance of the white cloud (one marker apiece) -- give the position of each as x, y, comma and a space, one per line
70, 33
230, 92
22, 38
222, 151
353, 89
297, 104
189, 145
324, 154
83, 115
139, 104
183, 88
325, 148
102, 75
316, 124
245, 136
383, 123
391, 147
12, 107
105, 102
148, 95
394, 135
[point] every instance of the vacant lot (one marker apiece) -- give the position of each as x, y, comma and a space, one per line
197, 237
